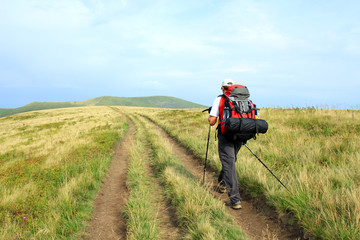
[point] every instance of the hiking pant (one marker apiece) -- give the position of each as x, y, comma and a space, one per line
227, 154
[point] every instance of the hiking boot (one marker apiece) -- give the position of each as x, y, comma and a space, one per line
235, 206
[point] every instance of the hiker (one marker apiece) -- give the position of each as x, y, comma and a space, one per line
227, 153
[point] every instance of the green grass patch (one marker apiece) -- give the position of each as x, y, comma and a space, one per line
52, 201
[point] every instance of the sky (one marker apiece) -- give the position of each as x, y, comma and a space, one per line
298, 53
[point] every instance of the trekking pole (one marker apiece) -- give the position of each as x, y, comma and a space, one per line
207, 148
266, 167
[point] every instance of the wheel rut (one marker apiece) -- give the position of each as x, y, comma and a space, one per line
256, 225
107, 221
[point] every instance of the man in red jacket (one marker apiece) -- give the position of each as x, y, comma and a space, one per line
227, 154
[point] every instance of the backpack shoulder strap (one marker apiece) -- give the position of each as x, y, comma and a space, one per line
224, 103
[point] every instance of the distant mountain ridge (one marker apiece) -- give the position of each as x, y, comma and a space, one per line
154, 101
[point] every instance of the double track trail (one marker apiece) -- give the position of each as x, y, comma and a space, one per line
108, 219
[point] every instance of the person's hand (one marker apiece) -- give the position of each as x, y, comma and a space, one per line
212, 120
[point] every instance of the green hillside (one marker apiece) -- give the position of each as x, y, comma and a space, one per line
155, 101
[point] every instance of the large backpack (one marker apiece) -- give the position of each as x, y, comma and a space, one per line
238, 115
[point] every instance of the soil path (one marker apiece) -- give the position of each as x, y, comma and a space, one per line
256, 225
107, 221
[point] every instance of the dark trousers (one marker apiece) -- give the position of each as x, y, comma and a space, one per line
227, 154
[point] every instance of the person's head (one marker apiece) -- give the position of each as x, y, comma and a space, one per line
226, 84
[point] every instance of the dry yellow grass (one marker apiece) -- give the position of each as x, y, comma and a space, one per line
48, 158
50, 163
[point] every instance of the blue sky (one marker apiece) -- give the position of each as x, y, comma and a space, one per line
289, 53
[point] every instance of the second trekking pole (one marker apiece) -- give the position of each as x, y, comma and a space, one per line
207, 149
266, 166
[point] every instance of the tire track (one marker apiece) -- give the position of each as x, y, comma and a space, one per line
256, 225
107, 221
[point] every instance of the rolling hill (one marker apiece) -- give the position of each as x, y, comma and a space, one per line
155, 101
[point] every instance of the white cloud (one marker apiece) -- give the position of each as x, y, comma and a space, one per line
353, 48
93, 61
151, 84
15, 85
169, 74
235, 69
249, 23
165, 45
104, 12
66, 86
352, 41
45, 14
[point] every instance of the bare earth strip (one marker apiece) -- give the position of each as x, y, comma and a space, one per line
256, 225
107, 221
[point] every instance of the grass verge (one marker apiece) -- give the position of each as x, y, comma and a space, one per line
140, 211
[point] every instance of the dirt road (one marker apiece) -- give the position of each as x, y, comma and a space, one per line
108, 221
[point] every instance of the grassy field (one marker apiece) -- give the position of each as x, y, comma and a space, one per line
314, 152
52, 163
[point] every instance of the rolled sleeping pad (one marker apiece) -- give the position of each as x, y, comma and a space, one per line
246, 125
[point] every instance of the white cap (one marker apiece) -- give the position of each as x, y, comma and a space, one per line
227, 82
